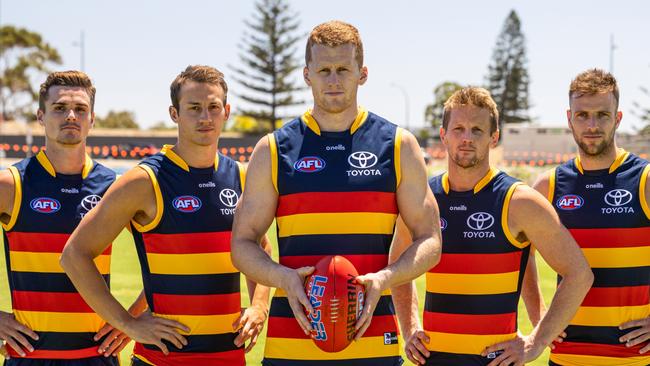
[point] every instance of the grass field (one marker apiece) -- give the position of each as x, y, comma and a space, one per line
126, 283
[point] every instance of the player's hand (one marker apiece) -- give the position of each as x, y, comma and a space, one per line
293, 283
3, 351
515, 352
375, 284
637, 336
14, 334
415, 349
559, 339
152, 329
249, 324
114, 342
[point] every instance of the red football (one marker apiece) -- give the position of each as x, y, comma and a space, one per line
337, 301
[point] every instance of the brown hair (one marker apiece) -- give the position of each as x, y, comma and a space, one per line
478, 97
593, 81
70, 78
199, 74
335, 33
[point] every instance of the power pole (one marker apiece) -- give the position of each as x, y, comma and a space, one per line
612, 47
406, 103
82, 51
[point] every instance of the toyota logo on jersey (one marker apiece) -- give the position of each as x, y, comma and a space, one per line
362, 159
480, 221
618, 197
228, 197
187, 204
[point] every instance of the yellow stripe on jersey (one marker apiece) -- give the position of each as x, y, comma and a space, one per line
159, 202
44, 321
551, 185
336, 223
609, 316
190, 264
281, 293
472, 344
306, 349
472, 284
18, 197
398, 156
504, 218
581, 360
273, 150
617, 257
642, 195
205, 324
49, 262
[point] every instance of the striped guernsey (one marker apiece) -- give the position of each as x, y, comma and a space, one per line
336, 196
472, 294
607, 214
185, 258
48, 206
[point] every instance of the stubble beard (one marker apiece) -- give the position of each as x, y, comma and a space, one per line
599, 149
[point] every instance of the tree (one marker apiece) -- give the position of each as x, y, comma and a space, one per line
508, 74
643, 113
268, 61
23, 55
162, 126
114, 119
442, 92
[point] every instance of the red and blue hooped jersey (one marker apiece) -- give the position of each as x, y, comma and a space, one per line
185, 258
606, 212
336, 197
472, 294
48, 206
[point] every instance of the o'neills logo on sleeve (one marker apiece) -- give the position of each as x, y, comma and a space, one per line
187, 204
362, 163
309, 164
479, 222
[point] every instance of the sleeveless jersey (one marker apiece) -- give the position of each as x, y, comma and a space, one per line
606, 212
336, 197
472, 294
184, 254
48, 206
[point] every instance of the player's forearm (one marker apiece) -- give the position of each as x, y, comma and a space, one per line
249, 258
420, 256
567, 299
258, 294
139, 305
89, 283
405, 299
531, 293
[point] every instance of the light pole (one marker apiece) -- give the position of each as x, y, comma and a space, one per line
406, 103
82, 51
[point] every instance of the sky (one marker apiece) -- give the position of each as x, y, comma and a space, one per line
134, 49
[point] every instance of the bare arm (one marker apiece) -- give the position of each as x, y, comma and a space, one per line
531, 293
419, 211
131, 196
405, 299
6, 195
560, 251
253, 217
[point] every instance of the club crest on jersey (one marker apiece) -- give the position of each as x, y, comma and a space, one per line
617, 199
187, 204
570, 202
45, 205
309, 164
362, 162
479, 222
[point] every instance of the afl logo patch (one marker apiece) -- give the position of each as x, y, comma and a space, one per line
570, 202
186, 204
45, 205
309, 164
443, 224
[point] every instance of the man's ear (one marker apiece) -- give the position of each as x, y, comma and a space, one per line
364, 75
305, 75
173, 113
494, 139
39, 117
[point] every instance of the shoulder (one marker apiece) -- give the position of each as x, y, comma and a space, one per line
6, 183
103, 171
526, 201
544, 181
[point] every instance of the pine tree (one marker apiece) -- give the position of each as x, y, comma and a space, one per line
508, 74
267, 61
23, 55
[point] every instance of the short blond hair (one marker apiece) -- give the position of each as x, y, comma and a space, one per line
198, 74
335, 33
72, 79
478, 97
593, 81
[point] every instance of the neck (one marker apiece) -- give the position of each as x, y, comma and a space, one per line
197, 156
335, 122
66, 159
601, 161
465, 179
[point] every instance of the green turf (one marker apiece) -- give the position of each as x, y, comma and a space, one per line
126, 283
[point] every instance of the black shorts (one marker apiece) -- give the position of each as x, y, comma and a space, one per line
90, 361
